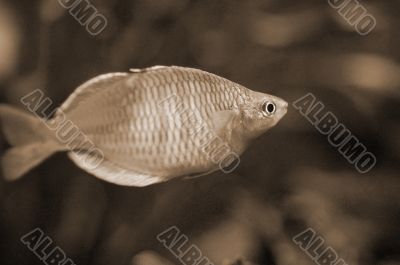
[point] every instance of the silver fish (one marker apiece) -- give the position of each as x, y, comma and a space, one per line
143, 127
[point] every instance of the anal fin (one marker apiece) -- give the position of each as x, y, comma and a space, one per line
198, 175
110, 171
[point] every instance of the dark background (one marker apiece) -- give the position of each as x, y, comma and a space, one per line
289, 179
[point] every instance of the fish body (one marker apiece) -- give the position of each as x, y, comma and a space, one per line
154, 124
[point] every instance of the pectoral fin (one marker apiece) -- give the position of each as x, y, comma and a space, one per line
222, 122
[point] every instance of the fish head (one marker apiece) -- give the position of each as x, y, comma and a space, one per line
260, 112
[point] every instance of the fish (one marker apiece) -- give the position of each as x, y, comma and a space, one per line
143, 126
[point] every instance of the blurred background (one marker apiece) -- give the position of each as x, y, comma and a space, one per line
288, 180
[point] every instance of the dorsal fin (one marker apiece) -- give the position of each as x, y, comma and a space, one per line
95, 84
148, 69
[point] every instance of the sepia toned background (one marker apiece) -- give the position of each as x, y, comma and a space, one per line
288, 180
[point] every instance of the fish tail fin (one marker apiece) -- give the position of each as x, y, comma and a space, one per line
31, 140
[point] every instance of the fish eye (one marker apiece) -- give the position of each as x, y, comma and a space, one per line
269, 108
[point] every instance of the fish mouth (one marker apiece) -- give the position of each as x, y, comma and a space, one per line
285, 108
283, 105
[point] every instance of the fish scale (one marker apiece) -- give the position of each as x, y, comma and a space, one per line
148, 125
194, 90
176, 137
